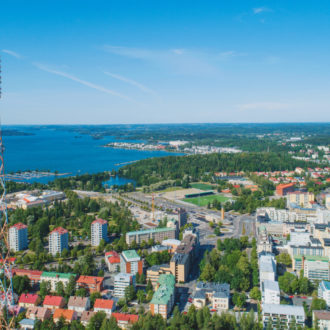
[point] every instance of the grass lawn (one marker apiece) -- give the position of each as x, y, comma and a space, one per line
202, 186
203, 201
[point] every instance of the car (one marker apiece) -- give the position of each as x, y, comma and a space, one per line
291, 297
303, 297
190, 300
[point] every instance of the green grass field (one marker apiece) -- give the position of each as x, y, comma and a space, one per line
202, 186
203, 201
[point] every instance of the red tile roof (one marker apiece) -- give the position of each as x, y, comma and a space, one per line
90, 279
59, 230
100, 221
68, 314
131, 318
53, 300
19, 225
28, 298
103, 303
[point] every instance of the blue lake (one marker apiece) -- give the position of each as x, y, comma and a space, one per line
64, 151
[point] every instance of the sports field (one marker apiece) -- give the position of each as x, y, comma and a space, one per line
202, 186
203, 201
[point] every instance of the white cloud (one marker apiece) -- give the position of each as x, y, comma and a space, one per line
80, 81
177, 60
178, 51
265, 106
260, 10
11, 53
131, 82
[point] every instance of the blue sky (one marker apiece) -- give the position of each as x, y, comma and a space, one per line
104, 62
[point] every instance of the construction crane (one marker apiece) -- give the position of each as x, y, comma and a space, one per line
7, 297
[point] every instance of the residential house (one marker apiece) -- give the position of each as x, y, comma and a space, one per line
67, 314
91, 283
28, 300
124, 321
104, 305
38, 313
53, 302
79, 304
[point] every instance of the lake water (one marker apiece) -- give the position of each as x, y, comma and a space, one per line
55, 149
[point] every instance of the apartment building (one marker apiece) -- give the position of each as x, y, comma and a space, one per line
91, 283
324, 291
99, 231
155, 271
33, 275
215, 293
18, 237
157, 234
270, 292
283, 189
267, 267
53, 278
130, 262
316, 268
285, 314
112, 260
163, 299
303, 199
121, 282
321, 319
58, 240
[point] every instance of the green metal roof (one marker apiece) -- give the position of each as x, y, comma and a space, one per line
312, 258
59, 275
131, 254
165, 290
147, 231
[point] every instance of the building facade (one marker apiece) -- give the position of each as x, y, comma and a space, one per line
324, 292
99, 231
121, 282
58, 241
130, 262
157, 234
18, 237
164, 297
270, 292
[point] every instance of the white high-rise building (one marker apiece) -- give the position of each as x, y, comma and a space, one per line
270, 292
58, 240
122, 281
99, 229
18, 237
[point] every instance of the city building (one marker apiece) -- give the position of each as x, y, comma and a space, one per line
265, 243
121, 282
28, 300
172, 244
67, 314
324, 292
99, 231
155, 271
79, 304
38, 313
215, 293
104, 305
303, 199
54, 278
130, 262
53, 302
18, 237
159, 248
91, 283
267, 267
270, 292
125, 321
112, 260
285, 314
163, 299
157, 234
52, 195
316, 268
321, 319
33, 275
283, 189
58, 241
